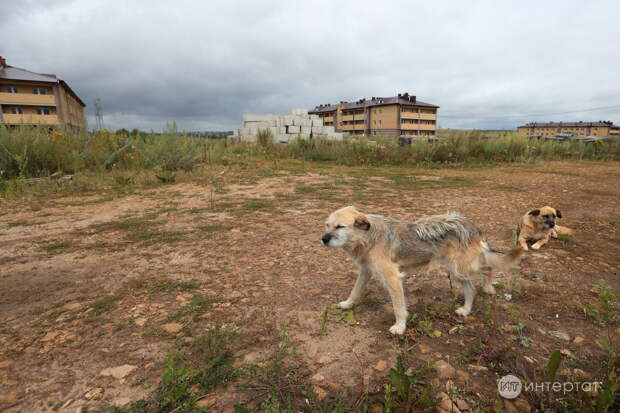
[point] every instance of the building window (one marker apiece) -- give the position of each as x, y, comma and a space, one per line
12, 89
43, 111
39, 91
16, 111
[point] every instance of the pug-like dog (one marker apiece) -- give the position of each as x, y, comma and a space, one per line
539, 225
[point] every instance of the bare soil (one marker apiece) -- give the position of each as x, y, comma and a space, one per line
79, 276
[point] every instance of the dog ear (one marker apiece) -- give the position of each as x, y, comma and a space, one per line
352, 208
558, 213
361, 222
534, 212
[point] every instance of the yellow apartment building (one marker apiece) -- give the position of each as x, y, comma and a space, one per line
600, 128
28, 98
401, 115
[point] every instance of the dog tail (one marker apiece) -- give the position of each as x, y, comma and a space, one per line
498, 260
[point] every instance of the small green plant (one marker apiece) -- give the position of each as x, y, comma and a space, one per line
198, 304
55, 246
604, 313
105, 304
264, 137
405, 390
169, 285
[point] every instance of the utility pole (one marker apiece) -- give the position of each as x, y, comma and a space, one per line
98, 115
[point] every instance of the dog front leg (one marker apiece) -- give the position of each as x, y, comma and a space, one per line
468, 292
523, 242
540, 243
394, 284
358, 289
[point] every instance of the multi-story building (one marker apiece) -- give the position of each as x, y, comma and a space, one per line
28, 98
600, 128
401, 115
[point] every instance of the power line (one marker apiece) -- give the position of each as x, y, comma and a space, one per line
532, 114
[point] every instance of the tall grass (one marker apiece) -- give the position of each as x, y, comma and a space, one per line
33, 152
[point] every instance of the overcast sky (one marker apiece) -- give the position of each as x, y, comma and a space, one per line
487, 64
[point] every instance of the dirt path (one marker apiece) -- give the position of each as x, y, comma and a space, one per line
89, 283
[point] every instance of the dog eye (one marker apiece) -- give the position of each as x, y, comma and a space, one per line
339, 226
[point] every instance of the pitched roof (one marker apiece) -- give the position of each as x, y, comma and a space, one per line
568, 124
17, 73
375, 101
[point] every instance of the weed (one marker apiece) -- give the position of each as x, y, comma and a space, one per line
105, 304
56, 245
257, 204
190, 373
155, 236
213, 228
169, 285
198, 304
605, 314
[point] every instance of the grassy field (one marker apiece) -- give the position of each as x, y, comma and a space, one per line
184, 275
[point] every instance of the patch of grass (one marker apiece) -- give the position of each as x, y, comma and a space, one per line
213, 228
605, 311
55, 246
190, 372
507, 188
22, 223
123, 225
306, 189
257, 204
155, 236
105, 304
170, 285
198, 304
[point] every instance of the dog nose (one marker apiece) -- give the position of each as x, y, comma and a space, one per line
326, 238
551, 224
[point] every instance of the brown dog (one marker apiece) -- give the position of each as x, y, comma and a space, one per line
539, 225
386, 248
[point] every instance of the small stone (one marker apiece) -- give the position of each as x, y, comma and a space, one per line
477, 367
566, 352
72, 306
578, 340
320, 393
381, 365
445, 404
462, 375
172, 328
8, 397
508, 328
119, 372
376, 408
582, 373
50, 336
207, 402
560, 334
462, 404
444, 369
318, 378
140, 321
122, 401
522, 405
423, 348
95, 393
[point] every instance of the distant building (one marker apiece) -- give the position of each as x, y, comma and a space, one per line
28, 98
401, 115
600, 128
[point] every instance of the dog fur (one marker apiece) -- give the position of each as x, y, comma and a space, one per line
385, 247
539, 225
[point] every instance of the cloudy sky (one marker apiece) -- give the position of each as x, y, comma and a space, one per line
488, 64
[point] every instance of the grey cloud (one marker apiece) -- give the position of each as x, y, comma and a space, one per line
203, 64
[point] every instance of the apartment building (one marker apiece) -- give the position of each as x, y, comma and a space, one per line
600, 128
401, 115
28, 98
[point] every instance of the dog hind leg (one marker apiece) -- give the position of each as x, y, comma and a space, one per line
358, 289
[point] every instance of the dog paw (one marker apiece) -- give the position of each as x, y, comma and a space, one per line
345, 305
398, 329
489, 289
463, 311
535, 247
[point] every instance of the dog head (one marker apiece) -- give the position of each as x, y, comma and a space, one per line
544, 217
345, 227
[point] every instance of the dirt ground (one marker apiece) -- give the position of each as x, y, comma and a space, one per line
88, 282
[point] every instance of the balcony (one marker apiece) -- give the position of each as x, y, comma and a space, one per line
13, 119
414, 115
26, 99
